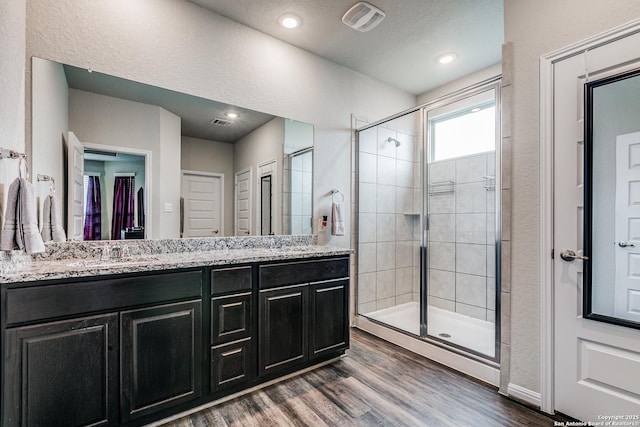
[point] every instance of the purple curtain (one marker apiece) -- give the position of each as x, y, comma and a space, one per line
123, 205
93, 214
141, 207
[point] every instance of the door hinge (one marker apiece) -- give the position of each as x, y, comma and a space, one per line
553, 253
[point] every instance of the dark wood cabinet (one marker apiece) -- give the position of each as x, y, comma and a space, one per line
303, 312
62, 373
283, 328
129, 349
329, 317
161, 358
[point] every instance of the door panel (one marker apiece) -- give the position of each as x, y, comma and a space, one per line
594, 362
75, 178
627, 227
243, 203
203, 205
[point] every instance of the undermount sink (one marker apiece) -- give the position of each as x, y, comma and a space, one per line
113, 262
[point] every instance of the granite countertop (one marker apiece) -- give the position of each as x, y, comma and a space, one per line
27, 269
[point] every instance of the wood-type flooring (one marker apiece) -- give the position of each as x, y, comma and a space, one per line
377, 384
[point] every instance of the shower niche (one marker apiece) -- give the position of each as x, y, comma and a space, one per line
428, 241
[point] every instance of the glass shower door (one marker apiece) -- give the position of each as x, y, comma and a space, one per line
461, 211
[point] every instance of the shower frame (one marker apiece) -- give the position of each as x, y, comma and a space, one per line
426, 144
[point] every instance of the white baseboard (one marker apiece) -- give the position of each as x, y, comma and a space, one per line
524, 394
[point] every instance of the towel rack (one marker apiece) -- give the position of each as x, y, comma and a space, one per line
52, 187
333, 195
5, 153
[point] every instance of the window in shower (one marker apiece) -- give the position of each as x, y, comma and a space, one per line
461, 212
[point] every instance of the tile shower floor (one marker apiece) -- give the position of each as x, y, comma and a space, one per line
477, 335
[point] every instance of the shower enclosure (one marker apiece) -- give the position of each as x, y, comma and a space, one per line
427, 212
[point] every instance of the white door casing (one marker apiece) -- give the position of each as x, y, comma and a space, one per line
627, 227
242, 211
589, 368
75, 180
203, 197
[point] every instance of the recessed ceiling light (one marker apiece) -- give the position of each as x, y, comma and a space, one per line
231, 115
446, 58
289, 21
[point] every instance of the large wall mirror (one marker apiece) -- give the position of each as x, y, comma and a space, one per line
612, 199
132, 160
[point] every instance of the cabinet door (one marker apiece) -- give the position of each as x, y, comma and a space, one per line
329, 318
62, 373
283, 328
232, 365
161, 353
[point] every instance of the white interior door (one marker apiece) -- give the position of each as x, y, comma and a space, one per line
75, 188
243, 203
596, 364
627, 227
203, 204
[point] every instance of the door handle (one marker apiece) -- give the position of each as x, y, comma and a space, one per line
215, 231
626, 245
569, 255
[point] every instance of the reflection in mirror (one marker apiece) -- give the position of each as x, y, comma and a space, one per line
114, 195
612, 200
197, 152
265, 205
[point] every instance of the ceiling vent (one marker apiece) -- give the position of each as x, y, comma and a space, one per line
221, 122
363, 16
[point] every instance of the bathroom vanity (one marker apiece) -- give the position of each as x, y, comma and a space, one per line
127, 342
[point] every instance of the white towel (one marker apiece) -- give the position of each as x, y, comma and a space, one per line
46, 220
8, 236
51, 224
57, 232
337, 221
21, 226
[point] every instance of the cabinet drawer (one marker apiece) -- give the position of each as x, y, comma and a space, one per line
57, 300
234, 279
231, 365
230, 317
290, 273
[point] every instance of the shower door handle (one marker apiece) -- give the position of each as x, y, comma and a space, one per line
569, 255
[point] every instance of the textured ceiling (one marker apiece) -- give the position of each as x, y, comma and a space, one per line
400, 51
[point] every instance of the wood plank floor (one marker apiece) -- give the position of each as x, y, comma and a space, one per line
378, 384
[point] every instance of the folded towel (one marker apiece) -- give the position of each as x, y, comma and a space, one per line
8, 236
46, 220
337, 221
21, 225
51, 224
28, 219
57, 232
